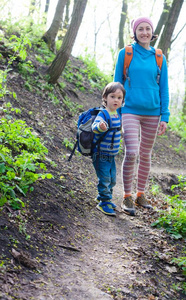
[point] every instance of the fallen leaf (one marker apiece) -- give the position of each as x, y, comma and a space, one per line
151, 297
171, 269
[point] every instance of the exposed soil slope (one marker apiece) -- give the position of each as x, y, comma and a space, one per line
74, 251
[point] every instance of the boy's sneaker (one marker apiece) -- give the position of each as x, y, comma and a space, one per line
113, 205
128, 206
106, 208
141, 201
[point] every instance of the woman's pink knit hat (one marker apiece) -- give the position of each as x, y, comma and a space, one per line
136, 22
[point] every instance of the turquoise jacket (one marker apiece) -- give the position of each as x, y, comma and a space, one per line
144, 96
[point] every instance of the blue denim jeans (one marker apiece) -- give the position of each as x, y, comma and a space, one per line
106, 172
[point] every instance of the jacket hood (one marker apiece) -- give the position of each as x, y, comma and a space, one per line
142, 51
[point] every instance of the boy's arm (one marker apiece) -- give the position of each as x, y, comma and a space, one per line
99, 125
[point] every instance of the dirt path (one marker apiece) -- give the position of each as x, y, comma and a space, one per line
167, 170
118, 257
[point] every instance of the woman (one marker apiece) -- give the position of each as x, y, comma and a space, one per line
146, 108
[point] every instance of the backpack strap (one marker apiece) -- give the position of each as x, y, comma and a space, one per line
73, 150
127, 61
109, 120
107, 117
128, 58
159, 61
159, 57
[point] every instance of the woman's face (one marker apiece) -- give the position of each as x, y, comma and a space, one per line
144, 34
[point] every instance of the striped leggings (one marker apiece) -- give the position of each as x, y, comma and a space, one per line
134, 146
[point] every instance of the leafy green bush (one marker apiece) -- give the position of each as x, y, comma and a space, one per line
174, 218
21, 159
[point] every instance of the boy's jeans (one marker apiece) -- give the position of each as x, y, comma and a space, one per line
106, 172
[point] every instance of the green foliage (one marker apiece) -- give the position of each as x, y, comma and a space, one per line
68, 73
62, 85
3, 85
177, 124
121, 147
155, 189
43, 54
180, 286
90, 72
181, 262
21, 157
96, 77
24, 26
71, 106
181, 183
68, 144
74, 75
19, 45
174, 218
26, 69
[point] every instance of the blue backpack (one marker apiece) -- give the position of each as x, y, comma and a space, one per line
85, 135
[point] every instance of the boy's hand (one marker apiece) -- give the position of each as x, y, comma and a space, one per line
103, 126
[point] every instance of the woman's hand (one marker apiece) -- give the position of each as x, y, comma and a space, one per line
162, 128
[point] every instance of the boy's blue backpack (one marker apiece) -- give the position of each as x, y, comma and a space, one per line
85, 135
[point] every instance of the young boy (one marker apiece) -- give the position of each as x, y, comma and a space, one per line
104, 159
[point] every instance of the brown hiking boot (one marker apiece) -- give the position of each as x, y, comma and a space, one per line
128, 206
141, 201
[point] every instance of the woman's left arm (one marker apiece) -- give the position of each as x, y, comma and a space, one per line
164, 92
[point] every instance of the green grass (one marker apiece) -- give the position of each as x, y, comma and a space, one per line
177, 124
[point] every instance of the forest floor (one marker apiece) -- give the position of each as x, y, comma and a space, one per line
66, 248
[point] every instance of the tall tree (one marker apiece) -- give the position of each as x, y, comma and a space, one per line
66, 20
122, 24
47, 6
50, 35
162, 20
165, 39
59, 62
32, 7
184, 96
96, 30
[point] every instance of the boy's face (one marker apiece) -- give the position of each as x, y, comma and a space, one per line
114, 100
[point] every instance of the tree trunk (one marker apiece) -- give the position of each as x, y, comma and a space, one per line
63, 55
96, 31
50, 36
165, 39
184, 96
162, 21
66, 21
122, 24
47, 6
32, 7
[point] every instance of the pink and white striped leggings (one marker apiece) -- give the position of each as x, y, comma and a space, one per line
134, 146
